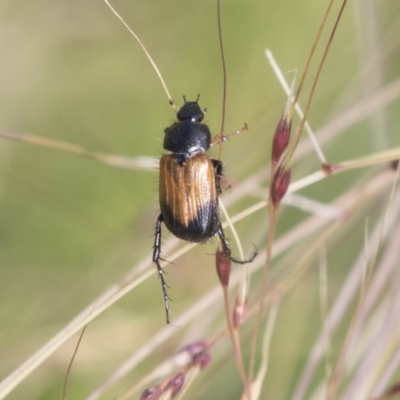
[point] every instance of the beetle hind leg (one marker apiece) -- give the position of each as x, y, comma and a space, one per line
161, 272
226, 249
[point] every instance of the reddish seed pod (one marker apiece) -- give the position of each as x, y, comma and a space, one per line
279, 185
153, 393
202, 359
223, 264
175, 384
199, 353
394, 164
195, 348
394, 390
281, 139
239, 312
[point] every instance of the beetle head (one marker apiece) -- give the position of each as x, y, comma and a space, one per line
190, 111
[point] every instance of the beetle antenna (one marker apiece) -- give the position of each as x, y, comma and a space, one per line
152, 62
221, 46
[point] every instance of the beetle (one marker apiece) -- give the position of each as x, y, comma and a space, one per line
189, 185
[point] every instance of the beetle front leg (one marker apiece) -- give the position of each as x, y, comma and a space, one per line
223, 138
156, 260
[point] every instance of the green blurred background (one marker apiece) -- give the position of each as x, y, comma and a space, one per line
70, 227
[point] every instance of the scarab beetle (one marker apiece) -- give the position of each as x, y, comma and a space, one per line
189, 185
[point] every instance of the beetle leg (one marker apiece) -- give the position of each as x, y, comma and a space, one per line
156, 260
226, 249
223, 138
217, 164
220, 179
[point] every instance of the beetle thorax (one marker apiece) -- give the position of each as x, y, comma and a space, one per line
187, 137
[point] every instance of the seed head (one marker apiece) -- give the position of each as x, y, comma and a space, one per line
153, 393
202, 359
199, 353
239, 311
223, 264
280, 183
175, 384
281, 139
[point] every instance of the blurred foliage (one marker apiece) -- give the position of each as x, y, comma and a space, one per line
70, 226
